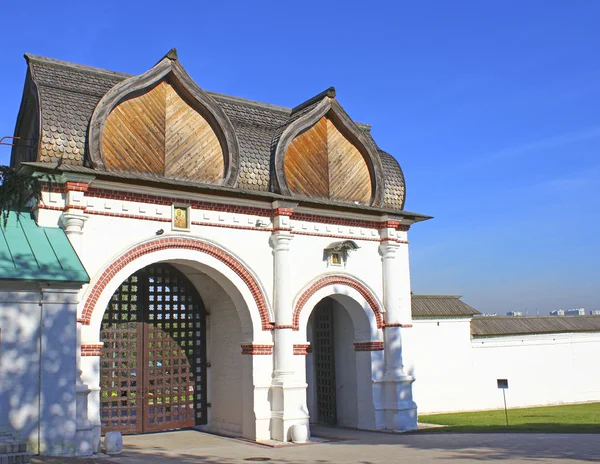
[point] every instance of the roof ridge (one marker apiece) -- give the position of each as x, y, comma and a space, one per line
247, 101
547, 316
330, 92
438, 296
79, 67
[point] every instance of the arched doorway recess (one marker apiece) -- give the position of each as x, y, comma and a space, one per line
337, 375
153, 364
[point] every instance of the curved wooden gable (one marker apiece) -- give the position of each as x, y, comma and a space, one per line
322, 162
322, 153
162, 123
159, 132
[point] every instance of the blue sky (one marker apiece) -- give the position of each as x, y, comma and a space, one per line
492, 109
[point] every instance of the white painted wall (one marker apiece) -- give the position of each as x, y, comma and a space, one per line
240, 388
455, 373
224, 337
38, 365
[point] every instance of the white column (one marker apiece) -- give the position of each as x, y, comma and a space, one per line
288, 395
400, 409
284, 346
72, 222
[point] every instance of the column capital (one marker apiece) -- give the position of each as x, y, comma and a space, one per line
281, 241
72, 222
388, 248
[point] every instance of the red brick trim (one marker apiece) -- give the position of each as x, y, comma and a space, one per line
397, 324
277, 327
231, 226
171, 243
76, 187
345, 237
128, 215
337, 280
91, 349
302, 349
225, 226
111, 194
368, 346
49, 207
169, 200
283, 212
338, 221
395, 240
252, 349
79, 207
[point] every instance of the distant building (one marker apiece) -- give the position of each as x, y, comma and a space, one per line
514, 313
594, 312
557, 312
575, 312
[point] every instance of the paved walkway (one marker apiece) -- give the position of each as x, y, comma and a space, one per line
351, 446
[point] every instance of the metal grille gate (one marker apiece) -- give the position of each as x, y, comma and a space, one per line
325, 362
153, 366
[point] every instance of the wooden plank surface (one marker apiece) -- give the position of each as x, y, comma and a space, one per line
349, 177
321, 162
306, 164
134, 133
192, 149
159, 132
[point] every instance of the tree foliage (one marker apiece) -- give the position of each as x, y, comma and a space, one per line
17, 191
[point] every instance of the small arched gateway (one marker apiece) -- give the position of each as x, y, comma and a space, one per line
229, 243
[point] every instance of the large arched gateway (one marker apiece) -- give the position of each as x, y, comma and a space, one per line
209, 227
153, 364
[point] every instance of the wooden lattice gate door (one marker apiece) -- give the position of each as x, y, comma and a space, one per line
153, 366
323, 353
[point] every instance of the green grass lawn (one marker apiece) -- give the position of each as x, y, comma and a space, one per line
572, 418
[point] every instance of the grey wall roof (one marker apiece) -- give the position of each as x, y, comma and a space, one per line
68, 94
490, 326
431, 306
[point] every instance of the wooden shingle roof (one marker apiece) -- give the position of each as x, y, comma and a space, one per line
493, 326
67, 95
434, 306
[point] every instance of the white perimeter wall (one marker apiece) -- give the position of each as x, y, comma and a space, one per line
455, 373
38, 365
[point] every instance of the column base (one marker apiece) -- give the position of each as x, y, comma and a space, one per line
288, 409
399, 409
84, 429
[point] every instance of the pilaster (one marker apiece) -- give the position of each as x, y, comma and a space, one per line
400, 411
288, 395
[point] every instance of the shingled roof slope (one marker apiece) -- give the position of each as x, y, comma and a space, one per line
424, 306
68, 94
491, 326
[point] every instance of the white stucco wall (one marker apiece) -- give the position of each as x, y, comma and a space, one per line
224, 337
240, 389
38, 365
456, 373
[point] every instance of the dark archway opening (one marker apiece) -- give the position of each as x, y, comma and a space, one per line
153, 365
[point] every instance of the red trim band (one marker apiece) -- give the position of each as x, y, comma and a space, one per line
337, 280
170, 243
252, 349
368, 346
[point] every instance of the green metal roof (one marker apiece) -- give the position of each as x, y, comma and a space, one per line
30, 252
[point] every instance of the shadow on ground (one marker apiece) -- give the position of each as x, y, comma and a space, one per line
345, 445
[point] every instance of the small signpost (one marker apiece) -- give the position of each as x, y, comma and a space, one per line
503, 384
